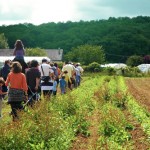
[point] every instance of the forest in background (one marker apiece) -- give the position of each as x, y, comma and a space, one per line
120, 37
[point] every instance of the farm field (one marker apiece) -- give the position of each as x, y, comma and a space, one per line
140, 89
104, 113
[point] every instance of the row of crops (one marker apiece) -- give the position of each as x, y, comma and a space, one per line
114, 128
54, 123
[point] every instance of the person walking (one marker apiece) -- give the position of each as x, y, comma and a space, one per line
70, 71
63, 84
46, 77
17, 85
55, 86
33, 81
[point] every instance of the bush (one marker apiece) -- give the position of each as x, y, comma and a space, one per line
93, 67
132, 72
134, 61
109, 71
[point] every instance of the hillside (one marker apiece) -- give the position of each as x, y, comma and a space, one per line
120, 37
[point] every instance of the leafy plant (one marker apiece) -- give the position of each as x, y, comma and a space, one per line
113, 125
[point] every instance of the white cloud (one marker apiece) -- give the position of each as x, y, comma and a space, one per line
43, 11
53, 11
37, 11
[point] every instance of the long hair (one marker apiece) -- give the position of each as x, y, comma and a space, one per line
16, 67
19, 45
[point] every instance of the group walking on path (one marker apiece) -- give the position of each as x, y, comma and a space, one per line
27, 83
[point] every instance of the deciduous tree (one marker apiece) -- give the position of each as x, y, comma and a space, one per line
3, 41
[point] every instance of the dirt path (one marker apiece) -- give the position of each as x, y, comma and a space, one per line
140, 89
139, 138
88, 143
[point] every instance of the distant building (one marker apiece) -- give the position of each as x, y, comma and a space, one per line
53, 54
6, 52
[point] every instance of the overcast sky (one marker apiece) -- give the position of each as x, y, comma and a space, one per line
44, 11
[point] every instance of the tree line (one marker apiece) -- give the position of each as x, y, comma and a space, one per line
119, 37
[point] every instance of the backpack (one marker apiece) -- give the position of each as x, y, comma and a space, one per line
55, 71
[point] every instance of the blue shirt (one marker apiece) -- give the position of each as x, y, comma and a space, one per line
62, 83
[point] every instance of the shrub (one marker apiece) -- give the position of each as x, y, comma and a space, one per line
93, 67
109, 71
134, 60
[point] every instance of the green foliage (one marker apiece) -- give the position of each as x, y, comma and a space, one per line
142, 115
51, 124
134, 61
87, 54
92, 67
60, 64
132, 72
120, 37
108, 71
3, 41
35, 52
113, 125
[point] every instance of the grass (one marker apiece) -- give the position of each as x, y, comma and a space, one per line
6, 118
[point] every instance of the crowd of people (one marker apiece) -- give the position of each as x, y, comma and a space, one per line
22, 82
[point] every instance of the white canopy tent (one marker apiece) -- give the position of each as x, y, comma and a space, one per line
145, 68
115, 65
26, 58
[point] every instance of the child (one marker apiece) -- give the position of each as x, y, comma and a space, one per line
63, 84
2, 82
55, 86
77, 77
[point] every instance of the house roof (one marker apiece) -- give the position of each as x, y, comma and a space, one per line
6, 52
53, 54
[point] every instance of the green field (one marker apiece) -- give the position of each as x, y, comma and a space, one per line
100, 114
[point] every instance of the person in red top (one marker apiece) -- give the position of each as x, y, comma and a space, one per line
17, 85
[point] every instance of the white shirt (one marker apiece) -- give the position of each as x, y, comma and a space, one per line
46, 69
80, 68
77, 72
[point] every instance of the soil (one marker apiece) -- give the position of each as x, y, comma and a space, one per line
86, 143
139, 138
139, 88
